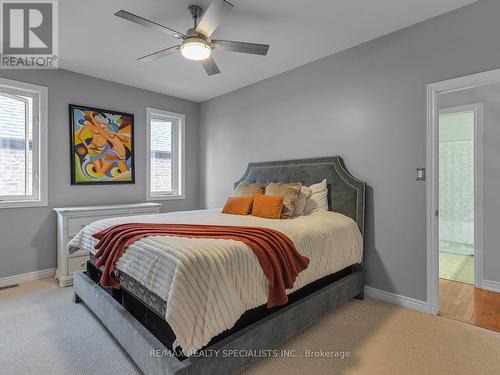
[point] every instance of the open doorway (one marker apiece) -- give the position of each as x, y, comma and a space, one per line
463, 143
458, 171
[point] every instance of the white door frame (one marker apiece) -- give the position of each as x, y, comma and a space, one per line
433, 91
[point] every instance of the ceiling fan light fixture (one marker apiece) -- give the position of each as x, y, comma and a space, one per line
197, 43
196, 50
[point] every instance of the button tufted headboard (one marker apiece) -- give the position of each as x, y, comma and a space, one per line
346, 194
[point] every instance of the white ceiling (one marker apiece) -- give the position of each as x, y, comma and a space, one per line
95, 42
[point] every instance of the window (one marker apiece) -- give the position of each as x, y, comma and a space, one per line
165, 164
23, 144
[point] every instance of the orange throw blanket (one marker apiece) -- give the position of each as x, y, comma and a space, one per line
278, 257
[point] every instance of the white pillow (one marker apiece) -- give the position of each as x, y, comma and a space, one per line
318, 201
300, 204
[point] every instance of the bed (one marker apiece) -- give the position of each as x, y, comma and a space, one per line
182, 297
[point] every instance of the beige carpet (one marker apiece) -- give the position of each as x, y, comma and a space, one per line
44, 332
456, 267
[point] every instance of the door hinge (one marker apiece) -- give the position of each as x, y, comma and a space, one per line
436, 213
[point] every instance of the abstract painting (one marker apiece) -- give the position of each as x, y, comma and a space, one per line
102, 146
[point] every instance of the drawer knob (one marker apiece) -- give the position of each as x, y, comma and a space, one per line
83, 264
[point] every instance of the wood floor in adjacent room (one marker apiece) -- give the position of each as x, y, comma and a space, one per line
468, 304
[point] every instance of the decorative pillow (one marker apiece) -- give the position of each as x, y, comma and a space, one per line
238, 206
290, 193
267, 206
318, 201
305, 193
248, 189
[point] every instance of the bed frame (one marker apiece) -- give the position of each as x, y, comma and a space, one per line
148, 339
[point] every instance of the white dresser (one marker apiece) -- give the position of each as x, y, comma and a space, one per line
70, 220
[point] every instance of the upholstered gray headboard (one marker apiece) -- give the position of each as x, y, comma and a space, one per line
346, 193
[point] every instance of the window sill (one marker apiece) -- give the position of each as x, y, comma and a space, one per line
165, 197
21, 204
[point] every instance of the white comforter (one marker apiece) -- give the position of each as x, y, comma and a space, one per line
209, 283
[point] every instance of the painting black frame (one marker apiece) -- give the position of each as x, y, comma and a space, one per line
72, 153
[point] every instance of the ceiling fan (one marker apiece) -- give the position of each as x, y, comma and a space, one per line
196, 43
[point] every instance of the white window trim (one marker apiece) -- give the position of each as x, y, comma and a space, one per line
181, 154
41, 120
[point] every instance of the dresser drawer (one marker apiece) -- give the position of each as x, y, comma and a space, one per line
76, 264
76, 224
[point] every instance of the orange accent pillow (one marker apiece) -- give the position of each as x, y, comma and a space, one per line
267, 206
238, 206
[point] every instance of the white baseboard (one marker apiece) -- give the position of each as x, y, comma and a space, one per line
396, 299
22, 278
493, 286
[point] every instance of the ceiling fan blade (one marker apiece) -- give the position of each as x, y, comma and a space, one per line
229, 45
213, 16
144, 22
159, 54
210, 66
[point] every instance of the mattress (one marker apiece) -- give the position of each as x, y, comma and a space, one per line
139, 291
208, 284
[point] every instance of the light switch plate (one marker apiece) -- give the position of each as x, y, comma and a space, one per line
420, 174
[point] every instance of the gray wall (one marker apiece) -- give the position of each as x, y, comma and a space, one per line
367, 104
28, 235
489, 95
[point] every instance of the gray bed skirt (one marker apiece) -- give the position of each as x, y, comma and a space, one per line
152, 357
